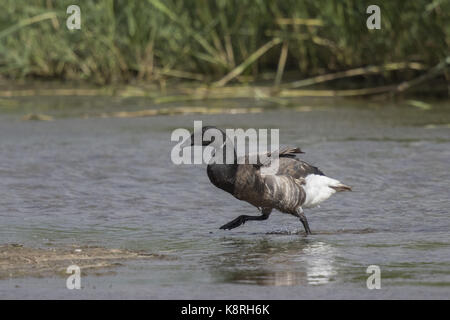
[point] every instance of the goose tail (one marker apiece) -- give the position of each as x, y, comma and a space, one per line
341, 187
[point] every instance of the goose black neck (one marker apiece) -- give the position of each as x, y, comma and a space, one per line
223, 148
223, 175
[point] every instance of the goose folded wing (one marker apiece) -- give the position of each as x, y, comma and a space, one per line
262, 160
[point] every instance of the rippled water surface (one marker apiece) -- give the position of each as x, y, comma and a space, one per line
110, 182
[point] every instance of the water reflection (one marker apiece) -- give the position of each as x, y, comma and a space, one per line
274, 262
319, 263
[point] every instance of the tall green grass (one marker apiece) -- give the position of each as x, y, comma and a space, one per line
204, 40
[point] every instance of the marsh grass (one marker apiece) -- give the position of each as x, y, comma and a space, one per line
219, 42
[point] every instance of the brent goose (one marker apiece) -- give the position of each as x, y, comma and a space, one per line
296, 184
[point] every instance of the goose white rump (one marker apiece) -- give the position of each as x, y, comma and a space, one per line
319, 188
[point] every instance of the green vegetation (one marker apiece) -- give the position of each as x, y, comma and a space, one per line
224, 41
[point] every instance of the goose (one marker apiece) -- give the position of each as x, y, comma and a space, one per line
294, 186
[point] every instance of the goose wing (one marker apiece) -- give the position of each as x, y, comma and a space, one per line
264, 159
290, 165
297, 168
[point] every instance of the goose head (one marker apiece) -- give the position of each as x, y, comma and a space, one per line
207, 136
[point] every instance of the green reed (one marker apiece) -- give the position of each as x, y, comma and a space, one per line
203, 40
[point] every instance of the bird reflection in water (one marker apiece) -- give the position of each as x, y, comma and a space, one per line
275, 263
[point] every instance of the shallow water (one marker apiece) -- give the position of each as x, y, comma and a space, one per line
110, 182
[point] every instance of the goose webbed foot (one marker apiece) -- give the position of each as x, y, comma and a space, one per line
234, 223
242, 219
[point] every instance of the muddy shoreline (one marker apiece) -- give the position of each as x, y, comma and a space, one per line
17, 261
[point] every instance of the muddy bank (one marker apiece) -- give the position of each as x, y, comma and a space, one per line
19, 261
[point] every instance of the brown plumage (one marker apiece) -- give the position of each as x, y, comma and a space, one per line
281, 190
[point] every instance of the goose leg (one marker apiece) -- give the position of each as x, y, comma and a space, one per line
299, 213
242, 219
